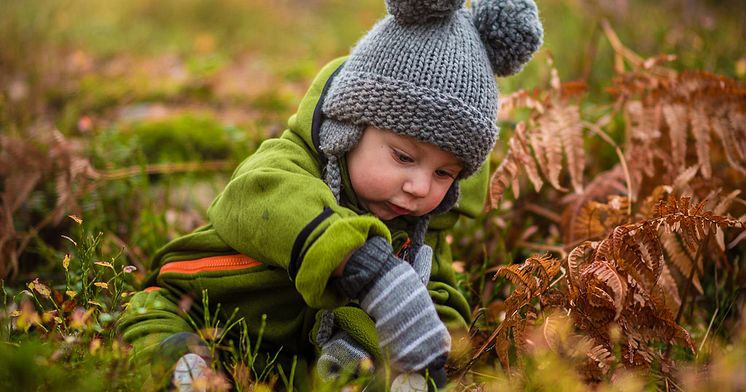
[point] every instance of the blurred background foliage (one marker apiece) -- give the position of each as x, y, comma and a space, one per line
133, 113
140, 82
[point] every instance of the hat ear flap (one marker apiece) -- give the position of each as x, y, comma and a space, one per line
337, 137
421, 11
511, 32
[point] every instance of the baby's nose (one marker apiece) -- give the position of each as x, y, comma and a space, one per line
417, 185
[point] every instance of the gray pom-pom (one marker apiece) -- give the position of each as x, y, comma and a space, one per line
511, 32
421, 11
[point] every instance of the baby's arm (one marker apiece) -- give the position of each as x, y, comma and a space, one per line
149, 320
277, 210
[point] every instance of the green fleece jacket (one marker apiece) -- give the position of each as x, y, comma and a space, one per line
275, 235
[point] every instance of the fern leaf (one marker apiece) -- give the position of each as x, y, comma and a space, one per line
606, 274
678, 257
629, 257
701, 131
669, 289
547, 143
518, 274
728, 133
677, 120
577, 258
517, 157
571, 134
601, 356
725, 203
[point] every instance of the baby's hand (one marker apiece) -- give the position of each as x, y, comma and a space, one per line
423, 263
390, 291
341, 354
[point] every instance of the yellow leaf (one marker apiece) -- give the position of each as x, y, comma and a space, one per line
104, 264
40, 288
75, 218
95, 345
66, 261
71, 293
102, 285
96, 303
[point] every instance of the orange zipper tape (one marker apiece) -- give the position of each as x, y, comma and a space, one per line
213, 263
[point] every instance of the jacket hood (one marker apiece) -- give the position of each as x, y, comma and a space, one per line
308, 118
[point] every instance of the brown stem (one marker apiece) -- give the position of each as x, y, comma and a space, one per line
544, 212
590, 52
166, 168
605, 137
484, 347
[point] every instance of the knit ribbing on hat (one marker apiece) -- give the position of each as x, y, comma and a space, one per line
430, 81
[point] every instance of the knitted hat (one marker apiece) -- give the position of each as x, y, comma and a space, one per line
427, 71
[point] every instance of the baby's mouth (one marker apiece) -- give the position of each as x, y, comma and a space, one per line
398, 210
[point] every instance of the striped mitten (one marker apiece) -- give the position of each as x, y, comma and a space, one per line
340, 355
391, 292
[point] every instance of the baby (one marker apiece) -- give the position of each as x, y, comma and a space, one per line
336, 230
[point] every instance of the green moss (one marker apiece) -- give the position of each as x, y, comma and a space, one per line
188, 137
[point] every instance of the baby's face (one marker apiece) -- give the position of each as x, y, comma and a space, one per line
394, 175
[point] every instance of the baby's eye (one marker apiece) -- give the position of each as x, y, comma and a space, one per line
402, 157
444, 173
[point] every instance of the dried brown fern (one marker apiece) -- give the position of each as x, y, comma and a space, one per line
23, 167
620, 283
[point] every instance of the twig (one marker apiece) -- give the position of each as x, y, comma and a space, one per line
691, 275
137, 257
712, 320
166, 168
545, 212
622, 160
623, 52
546, 247
618, 46
590, 52
482, 349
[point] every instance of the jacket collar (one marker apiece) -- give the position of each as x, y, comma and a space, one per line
318, 116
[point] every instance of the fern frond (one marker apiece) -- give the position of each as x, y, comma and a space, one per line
701, 129
678, 257
517, 157
571, 134
628, 254
605, 274
548, 147
576, 259
608, 183
669, 289
731, 133
678, 121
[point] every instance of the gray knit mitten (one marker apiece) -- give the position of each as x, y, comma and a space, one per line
423, 263
391, 292
340, 354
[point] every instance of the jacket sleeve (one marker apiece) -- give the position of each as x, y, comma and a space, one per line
149, 318
276, 209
